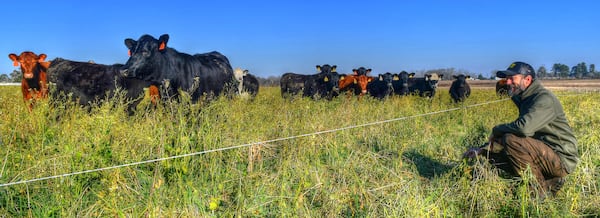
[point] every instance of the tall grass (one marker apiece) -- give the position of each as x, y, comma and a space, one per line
410, 167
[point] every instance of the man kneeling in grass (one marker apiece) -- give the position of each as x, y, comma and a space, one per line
540, 137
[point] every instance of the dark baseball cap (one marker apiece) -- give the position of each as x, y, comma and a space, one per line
517, 68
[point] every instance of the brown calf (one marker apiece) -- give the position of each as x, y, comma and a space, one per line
34, 84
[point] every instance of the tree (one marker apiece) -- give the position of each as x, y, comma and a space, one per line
582, 70
542, 72
560, 70
593, 70
4, 78
555, 69
15, 76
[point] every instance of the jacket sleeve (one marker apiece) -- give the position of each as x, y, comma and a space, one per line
531, 119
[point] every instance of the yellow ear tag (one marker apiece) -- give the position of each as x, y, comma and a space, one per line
355, 81
396, 78
326, 79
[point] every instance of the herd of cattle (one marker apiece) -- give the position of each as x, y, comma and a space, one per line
166, 73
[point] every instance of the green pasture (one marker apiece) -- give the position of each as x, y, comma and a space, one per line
274, 157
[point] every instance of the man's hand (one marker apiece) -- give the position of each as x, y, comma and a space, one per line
472, 153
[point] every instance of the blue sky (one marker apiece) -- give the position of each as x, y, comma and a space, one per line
270, 38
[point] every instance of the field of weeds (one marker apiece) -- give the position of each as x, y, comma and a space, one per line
274, 157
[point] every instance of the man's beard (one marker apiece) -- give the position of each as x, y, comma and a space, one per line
516, 89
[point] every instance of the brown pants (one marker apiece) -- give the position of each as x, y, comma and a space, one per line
516, 153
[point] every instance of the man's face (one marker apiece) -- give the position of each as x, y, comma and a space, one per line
518, 83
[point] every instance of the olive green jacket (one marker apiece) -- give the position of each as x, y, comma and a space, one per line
541, 117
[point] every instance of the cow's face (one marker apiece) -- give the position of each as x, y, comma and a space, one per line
326, 68
330, 77
363, 81
361, 71
30, 63
461, 80
239, 74
402, 77
387, 78
333, 81
145, 56
431, 82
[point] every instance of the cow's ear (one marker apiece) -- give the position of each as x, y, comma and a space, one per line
411, 75
333, 68
455, 76
368, 70
130, 43
163, 42
326, 79
129, 52
468, 77
355, 71
380, 78
45, 64
318, 68
42, 57
14, 58
245, 72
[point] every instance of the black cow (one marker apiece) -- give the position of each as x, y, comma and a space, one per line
460, 89
323, 84
400, 83
251, 85
382, 86
425, 86
207, 74
89, 83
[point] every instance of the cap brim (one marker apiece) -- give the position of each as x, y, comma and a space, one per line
505, 73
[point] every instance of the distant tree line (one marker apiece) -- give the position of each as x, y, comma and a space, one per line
14, 77
558, 71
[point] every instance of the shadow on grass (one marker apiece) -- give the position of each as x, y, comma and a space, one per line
427, 167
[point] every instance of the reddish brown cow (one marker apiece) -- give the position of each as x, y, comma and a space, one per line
34, 84
355, 83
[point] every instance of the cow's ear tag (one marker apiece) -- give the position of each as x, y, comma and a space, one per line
355, 81
129, 53
162, 46
326, 79
15, 63
396, 78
